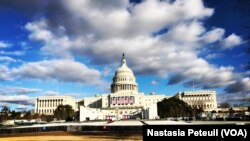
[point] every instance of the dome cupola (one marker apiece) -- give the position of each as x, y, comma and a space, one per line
124, 79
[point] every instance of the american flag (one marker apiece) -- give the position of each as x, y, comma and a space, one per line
126, 101
122, 100
113, 100
118, 100
131, 100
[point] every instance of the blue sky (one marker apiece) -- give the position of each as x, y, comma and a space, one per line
74, 47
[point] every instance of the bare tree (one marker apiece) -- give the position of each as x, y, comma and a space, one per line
225, 105
4, 115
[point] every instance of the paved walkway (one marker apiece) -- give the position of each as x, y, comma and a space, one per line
136, 123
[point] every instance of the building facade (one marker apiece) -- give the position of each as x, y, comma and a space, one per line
199, 99
124, 101
48, 104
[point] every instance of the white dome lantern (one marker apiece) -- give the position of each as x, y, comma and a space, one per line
124, 79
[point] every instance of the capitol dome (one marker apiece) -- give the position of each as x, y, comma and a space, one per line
124, 79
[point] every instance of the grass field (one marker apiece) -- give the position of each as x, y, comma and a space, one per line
67, 136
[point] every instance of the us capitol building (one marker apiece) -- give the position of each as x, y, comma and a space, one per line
124, 101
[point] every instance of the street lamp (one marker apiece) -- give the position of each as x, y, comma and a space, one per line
142, 116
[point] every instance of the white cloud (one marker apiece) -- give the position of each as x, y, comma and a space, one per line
241, 85
4, 73
17, 99
51, 93
17, 90
7, 59
14, 53
220, 77
58, 46
231, 41
61, 70
107, 30
151, 16
55, 93
22, 107
141, 19
234, 98
107, 71
4, 44
186, 32
37, 33
154, 82
214, 35
213, 56
163, 56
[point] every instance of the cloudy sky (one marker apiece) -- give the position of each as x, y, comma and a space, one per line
73, 47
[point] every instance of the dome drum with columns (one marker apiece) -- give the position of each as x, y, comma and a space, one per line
124, 79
